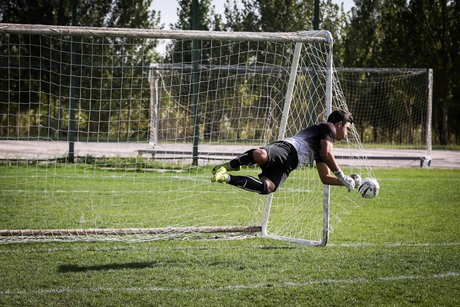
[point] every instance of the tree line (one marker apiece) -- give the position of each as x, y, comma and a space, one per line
375, 33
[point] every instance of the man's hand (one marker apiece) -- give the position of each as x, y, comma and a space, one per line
347, 181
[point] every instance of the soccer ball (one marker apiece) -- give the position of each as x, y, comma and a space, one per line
358, 180
369, 188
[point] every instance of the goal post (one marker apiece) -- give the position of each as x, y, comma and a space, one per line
134, 127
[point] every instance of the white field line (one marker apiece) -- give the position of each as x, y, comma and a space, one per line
360, 280
395, 244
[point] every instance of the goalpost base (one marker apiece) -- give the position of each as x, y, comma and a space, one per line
299, 241
128, 231
95, 233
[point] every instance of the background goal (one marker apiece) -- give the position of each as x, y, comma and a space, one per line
100, 139
393, 107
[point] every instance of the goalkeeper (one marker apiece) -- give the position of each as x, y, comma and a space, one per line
277, 160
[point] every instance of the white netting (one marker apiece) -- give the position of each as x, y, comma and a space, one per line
391, 106
93, 136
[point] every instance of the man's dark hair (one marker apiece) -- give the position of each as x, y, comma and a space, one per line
340, 116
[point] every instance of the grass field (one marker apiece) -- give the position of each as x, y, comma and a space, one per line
401, 248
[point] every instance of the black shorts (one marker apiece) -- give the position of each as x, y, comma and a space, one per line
282, 160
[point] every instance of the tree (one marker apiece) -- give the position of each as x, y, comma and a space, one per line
115, 13
360, 40
251, 16
417, 33
434, 41
206, 15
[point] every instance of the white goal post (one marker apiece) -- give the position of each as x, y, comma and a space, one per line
95, 141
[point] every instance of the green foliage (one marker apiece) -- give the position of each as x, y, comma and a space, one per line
94, 57
418, 33
377, 33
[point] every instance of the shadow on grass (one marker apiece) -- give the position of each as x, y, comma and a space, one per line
66, 268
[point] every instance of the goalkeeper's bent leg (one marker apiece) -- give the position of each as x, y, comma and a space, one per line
249, 183
245, 159
235, 164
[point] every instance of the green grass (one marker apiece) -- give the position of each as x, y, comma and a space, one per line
401, 248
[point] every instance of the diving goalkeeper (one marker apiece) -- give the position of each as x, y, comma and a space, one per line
277, 160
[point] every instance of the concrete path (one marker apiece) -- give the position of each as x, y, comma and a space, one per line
43, 150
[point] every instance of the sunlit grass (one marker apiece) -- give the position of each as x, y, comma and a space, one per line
401, 248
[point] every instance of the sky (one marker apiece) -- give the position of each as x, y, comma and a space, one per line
168, 9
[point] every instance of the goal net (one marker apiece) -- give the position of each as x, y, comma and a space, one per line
393, 107
101, 140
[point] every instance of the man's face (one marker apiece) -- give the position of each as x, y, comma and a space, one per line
341, 130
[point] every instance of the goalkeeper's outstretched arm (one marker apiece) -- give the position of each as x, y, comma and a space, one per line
330, 164
326, 176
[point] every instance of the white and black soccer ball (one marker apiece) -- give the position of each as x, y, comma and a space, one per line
369, 188
358, 180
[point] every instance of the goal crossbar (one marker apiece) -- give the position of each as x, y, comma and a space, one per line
302, 36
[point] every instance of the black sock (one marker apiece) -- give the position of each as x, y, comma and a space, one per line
248, 183
244, 159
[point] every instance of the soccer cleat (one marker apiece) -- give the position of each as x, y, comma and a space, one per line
220, 175
226, 166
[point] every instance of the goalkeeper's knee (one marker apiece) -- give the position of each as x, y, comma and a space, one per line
266, 189
245, 159
268, 186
